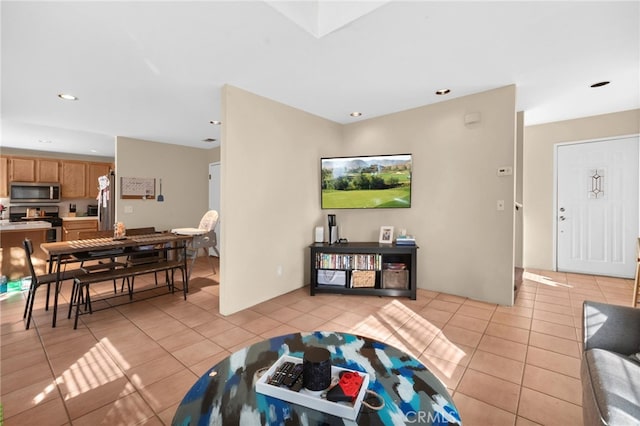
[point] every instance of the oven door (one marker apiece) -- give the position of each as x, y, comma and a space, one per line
54, 234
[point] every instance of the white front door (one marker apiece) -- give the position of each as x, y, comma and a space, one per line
214, 199
597, 207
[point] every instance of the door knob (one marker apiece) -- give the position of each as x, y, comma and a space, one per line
561, 209
562, 218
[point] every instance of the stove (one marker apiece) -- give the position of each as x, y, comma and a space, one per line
18, 213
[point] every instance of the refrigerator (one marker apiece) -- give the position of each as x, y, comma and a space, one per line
106, 201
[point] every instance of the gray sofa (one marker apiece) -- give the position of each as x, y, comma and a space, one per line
610, 372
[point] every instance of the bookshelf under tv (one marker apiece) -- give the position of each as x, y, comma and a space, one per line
376, 269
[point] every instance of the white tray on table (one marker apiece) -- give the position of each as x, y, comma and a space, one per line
312, 399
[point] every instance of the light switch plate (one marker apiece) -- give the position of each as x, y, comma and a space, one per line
505, 171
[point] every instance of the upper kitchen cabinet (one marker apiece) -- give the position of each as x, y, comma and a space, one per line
74, 179
94, 171
4, 177
31, 169
47, 170
22, 169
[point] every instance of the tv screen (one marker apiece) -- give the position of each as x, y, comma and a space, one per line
366, 182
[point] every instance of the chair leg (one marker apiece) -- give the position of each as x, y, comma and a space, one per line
30, 299
206, 252
46, 306
75, 322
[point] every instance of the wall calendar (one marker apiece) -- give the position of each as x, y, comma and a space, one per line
144, 188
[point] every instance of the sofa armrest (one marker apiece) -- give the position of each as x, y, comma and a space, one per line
611, 327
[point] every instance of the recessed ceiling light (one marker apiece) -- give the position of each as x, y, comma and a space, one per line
93, 150
355, 114
67, 97
44, 141
442, 91
215, 122
208, 140
600, 84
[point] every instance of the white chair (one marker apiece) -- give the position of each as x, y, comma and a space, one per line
204, 237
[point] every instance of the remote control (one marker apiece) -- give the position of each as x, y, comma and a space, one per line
293, 375
281, 373
297, 385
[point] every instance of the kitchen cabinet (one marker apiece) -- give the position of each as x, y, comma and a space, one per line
47, 170
22, 169
72, 227
4, 177
32, 169
74, 179
78, 179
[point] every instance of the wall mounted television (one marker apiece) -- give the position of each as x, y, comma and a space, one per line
366, 182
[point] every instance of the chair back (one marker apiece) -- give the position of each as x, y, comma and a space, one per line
28, 251
141, 231
209, 220
87, 235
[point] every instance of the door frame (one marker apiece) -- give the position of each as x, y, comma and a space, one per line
554, 213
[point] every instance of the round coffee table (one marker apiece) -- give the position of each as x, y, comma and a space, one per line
226, 395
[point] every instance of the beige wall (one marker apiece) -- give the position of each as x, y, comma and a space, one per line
270, 196
184, 173
466, 245
270, 193
539, 142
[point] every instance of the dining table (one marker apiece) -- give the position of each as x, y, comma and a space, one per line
109, 247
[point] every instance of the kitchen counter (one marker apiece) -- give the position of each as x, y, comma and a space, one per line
5, 225
80, 218
12, 234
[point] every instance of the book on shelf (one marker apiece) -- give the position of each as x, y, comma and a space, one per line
405, 240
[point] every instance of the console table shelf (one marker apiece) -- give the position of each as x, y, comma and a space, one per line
343, 262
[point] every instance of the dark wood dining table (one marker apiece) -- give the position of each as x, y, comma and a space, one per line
101, 248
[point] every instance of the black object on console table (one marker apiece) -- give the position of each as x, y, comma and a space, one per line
364, 268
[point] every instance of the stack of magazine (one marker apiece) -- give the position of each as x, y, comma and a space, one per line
405, 240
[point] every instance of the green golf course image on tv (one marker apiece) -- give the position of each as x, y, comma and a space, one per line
366, 182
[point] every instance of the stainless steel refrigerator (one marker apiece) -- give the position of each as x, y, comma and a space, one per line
106, 201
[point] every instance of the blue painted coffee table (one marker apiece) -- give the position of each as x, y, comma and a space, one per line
225, 395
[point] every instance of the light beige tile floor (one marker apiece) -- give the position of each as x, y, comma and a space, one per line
133, 364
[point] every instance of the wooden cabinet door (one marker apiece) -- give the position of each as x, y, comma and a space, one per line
71, 228
4, 177
94, 171
47, 170
22, 169
74, 179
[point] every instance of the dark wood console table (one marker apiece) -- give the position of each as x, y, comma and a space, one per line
387, 269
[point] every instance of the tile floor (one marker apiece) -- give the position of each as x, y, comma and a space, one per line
133, 364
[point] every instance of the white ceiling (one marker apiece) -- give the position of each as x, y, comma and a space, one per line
154, 70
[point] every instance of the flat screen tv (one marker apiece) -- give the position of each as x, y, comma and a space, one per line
366, 182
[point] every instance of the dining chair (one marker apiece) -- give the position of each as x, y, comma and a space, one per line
40, 280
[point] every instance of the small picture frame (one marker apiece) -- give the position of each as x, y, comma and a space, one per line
386, 235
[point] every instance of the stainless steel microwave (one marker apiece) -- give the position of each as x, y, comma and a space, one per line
34, 192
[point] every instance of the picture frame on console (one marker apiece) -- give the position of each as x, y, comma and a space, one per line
386, 235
